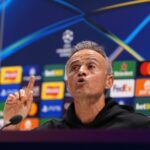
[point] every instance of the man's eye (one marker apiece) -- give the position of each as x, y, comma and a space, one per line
91, 66
75, 68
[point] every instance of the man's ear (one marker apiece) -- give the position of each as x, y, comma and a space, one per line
109, 81
67, 85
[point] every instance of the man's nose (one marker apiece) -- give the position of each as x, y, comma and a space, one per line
82, 71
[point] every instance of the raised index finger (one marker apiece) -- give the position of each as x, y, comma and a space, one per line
31, 83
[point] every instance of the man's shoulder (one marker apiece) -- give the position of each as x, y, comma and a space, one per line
126, 116
129, 116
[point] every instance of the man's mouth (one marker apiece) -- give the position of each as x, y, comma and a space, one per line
81, 81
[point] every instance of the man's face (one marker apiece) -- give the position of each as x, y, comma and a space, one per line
87, 74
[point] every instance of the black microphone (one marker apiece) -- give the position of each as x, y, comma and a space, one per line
13, 121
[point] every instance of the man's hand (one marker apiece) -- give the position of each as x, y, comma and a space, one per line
19, 103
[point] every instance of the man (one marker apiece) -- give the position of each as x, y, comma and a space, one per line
89, 75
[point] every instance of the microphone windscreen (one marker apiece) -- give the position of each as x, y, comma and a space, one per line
16, 119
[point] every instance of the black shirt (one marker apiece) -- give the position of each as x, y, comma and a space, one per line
112, 116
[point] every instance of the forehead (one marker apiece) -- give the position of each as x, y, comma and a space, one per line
86, 54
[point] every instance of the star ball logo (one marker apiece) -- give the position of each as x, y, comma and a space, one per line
67, 37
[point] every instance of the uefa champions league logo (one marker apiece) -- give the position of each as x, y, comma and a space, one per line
67, 37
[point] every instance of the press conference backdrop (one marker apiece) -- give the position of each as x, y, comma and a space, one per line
36, 38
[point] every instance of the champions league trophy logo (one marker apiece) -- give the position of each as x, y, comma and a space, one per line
67, 37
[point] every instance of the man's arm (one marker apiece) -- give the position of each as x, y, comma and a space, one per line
18, 103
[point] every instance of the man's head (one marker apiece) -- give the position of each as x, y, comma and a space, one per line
88, 70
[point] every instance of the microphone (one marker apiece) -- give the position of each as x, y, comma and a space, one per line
13, 121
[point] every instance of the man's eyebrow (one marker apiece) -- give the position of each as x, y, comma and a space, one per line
87, 59
73, 62
93, 59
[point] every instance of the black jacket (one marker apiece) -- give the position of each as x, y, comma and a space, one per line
112, 116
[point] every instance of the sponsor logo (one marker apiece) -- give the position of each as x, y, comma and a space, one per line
145, 68
5, 90
52, 90
124, 69
54, 72
34, 110
142, 87
32, 70
122, 88
29, 123
11, 75
51, 108
67, 37
142, 105
0, 77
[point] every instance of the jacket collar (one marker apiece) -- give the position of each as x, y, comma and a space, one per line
99, 120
